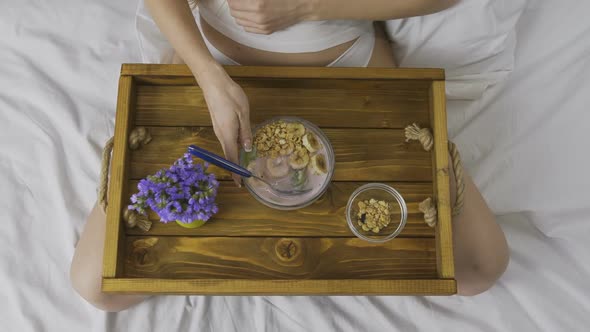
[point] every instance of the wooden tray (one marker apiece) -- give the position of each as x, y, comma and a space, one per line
251, 249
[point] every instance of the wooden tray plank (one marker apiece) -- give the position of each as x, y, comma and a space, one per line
396, 107
291, 72
112, 261
240, 214
388, 158
398, 90
416, 90
279, 287
278, 258
444, 231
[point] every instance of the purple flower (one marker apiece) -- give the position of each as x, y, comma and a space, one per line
183, 192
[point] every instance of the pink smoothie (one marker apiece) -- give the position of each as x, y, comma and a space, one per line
314, 181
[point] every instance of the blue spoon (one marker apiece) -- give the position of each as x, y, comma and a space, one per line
237, 169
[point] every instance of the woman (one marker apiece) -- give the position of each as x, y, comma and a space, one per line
288, 32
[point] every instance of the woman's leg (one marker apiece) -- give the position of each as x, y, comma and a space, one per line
86, 269
480, 248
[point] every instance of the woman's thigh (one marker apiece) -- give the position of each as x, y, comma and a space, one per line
382, 52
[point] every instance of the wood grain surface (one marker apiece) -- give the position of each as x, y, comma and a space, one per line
355, 104
291, 72
240, 214
278, 258
250, 249
280, 287
119, 172
444, 230
361, 154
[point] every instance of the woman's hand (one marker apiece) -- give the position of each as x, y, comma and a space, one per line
268, 16
230, 112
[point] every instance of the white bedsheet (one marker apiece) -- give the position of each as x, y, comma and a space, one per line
525, 142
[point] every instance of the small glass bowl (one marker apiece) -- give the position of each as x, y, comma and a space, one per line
380, 192
295, 204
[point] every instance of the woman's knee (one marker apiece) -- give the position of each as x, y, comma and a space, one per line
89, 288
116, 303
481, 277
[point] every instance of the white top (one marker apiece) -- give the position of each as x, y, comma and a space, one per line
309, 36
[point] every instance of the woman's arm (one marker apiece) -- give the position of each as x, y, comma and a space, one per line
267, 16
374, 10
227, 102
176, 22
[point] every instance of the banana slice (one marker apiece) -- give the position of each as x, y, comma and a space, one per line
287, 149
318, 164
299, 178
295, 129
299, 159
310, 142
277, 167
252, 168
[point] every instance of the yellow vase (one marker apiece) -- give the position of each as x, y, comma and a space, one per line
194, 224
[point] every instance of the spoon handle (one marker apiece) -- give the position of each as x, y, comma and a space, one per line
218, 161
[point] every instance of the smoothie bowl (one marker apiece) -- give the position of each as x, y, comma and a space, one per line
293, 154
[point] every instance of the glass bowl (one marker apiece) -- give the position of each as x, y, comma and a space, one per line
298, 201
398, 211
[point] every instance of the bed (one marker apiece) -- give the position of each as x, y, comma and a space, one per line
524, 140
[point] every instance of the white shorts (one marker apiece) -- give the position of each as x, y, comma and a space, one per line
154, 47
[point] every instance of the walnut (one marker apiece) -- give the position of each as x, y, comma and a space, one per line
278, 138
373, 215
